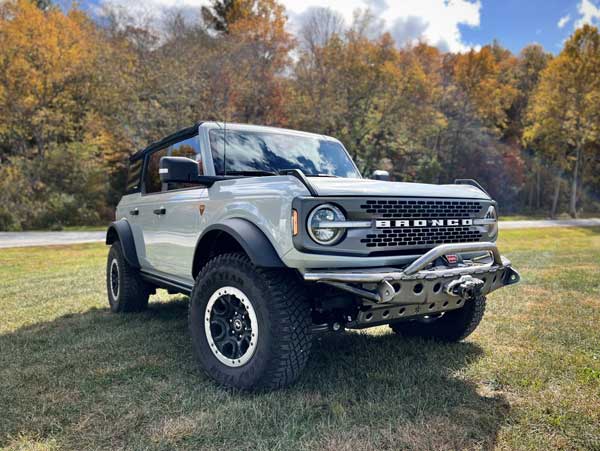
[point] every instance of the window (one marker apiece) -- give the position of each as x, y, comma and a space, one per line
271, 152
188, 148
134, 176
152, 182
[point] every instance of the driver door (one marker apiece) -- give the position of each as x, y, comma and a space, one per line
173, 226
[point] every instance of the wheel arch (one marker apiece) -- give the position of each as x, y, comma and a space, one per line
121, 231
235, 235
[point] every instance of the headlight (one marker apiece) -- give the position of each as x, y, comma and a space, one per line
492, 227
321, 224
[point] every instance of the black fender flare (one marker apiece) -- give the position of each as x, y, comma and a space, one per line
254, 242
121, 231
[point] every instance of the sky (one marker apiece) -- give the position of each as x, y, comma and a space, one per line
451, 25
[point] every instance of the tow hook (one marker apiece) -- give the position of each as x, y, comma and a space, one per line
466, 287
386, 291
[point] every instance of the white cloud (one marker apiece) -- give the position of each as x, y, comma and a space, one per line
563, 21
590, 13
434, 21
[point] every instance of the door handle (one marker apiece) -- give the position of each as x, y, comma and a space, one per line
134, 212
160, 211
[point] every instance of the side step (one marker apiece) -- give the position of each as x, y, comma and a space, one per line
163, 282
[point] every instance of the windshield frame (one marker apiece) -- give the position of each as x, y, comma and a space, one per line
206, 148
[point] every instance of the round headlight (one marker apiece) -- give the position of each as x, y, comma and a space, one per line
319, 229
492, 228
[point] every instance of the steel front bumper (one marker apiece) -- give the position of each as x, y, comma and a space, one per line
421, 288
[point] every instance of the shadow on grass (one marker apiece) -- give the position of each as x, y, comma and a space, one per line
98, 380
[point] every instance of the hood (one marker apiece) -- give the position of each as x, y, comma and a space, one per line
329, 186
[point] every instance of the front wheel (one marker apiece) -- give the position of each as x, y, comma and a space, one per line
454, 325
250, 326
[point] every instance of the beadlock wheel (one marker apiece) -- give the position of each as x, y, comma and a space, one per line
231, 326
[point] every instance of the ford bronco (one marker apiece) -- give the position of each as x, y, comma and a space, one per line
275, 236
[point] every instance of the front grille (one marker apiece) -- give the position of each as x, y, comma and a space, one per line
398, 225
421, 236
421, 209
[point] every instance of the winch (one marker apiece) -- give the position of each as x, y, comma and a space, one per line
466, 287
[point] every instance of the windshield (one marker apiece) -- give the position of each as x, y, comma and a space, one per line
261, 152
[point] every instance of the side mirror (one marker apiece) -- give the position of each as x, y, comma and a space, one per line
185, 170
178, 170
381, 175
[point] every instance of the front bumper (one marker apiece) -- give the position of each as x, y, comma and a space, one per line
421, 288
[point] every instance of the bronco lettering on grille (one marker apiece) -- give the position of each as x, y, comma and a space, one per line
387, 223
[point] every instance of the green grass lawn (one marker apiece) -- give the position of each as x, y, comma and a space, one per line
74, 376
542, 216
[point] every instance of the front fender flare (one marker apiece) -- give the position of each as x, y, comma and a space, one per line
121, 231
254, 242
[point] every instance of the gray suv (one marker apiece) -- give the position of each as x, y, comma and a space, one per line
275, 236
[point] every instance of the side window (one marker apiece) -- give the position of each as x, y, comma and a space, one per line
152, 182
134, 176
188, 148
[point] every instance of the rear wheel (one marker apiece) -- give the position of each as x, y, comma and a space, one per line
454, 325
127, 292
250, 326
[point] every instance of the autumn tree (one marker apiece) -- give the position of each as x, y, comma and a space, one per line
565, 111
46, 67
253, 54
54, 132
531, 61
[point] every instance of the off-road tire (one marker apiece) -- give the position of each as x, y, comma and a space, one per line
132, 292
283, 316
453, 326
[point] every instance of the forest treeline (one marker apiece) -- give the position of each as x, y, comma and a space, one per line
79, 94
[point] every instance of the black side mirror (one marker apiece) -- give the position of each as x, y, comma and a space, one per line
178, 170
381, 175
184, 170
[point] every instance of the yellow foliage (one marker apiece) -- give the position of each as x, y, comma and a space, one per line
47, 60
565, 109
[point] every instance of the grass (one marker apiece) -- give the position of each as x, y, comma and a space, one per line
74, 376
542, 216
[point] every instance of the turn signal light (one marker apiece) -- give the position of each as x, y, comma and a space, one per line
294, 222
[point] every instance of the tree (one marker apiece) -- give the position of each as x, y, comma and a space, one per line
531, 62
565, 109
221, 13
46, 69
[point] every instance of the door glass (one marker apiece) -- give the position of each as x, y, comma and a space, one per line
188, 148
151, 177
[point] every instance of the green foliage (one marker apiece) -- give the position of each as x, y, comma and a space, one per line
67, 187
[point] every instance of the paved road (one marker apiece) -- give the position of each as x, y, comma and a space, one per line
22, 239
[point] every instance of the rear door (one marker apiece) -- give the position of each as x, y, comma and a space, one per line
173, 213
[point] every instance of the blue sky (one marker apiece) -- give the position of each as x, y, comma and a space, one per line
454, 25
517, 23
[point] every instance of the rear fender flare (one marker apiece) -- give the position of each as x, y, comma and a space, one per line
121, 231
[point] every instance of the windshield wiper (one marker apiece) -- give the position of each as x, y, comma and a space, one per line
252, 173
286, 171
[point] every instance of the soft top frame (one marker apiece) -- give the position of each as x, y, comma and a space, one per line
173, 138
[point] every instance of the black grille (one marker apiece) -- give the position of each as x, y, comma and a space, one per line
421, 236
438, 208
